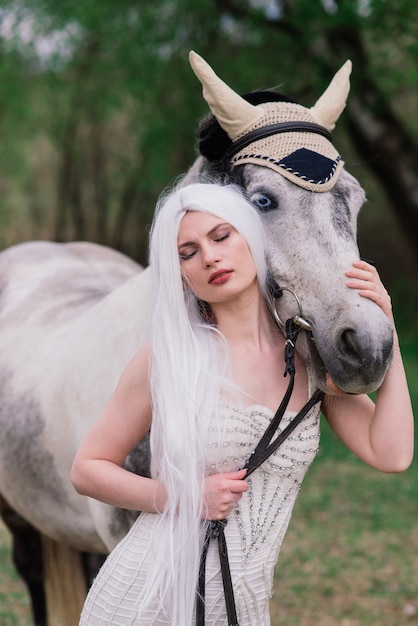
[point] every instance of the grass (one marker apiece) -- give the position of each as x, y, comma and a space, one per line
350, 557
14, 600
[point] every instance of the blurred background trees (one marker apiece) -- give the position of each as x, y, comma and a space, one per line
98, 110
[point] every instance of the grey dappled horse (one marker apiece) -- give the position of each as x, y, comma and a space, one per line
72, 315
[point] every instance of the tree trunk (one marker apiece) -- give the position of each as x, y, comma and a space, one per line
379, 136
388, 151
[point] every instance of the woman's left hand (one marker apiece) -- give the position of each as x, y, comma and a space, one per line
365, 278
380, 434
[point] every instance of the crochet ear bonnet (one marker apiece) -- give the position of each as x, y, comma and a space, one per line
289, 138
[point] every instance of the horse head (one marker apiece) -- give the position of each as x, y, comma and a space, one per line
281, 153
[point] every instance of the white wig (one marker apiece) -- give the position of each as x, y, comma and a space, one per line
187, 374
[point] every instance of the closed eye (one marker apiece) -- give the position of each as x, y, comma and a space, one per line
186, 255
220, 233
222, 237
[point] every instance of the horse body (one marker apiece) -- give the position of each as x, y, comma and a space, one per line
72, 316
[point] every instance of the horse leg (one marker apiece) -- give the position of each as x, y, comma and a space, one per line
68, 574
55, 575
27, 558
65, 583
92, 562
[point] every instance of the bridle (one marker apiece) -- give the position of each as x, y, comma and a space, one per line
275, 129
298, 319
265, 447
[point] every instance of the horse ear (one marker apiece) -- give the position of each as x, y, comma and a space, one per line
331, 104
233, 113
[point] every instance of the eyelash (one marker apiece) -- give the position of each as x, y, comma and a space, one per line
222, 237
186, 257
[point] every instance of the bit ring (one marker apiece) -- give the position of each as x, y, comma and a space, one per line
299, 320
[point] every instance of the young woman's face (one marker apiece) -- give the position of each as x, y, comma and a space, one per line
215, 259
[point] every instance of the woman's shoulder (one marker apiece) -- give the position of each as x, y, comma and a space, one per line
143, 353
137, 370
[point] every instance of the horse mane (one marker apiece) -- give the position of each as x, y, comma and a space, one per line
213, 141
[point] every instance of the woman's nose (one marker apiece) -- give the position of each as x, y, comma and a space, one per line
209, 256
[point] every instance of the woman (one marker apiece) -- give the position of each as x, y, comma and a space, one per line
208, 384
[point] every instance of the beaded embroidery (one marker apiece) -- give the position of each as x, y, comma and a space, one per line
265, 509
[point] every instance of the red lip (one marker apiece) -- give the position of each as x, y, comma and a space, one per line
220, 276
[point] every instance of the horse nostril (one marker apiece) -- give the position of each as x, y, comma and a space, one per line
355, 349
350, 345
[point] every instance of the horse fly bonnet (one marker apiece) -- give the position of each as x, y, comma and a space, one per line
284, 136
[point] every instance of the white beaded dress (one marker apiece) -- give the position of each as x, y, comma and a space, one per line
254, 531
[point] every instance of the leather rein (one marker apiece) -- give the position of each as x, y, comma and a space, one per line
264, 448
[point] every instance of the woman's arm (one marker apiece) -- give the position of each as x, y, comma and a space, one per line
97, 470
381, 434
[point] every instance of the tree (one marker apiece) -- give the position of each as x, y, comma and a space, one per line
119, 105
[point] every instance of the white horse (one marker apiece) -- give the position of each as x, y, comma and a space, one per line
72, 315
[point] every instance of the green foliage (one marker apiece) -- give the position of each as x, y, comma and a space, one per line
94, 130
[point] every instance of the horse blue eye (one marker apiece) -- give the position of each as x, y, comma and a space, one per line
262, 202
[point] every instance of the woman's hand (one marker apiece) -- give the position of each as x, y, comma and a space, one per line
380, 434
221, 493
364, 277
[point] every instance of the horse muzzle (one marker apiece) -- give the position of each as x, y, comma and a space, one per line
356, 361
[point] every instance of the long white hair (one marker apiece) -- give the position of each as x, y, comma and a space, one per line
187, 374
